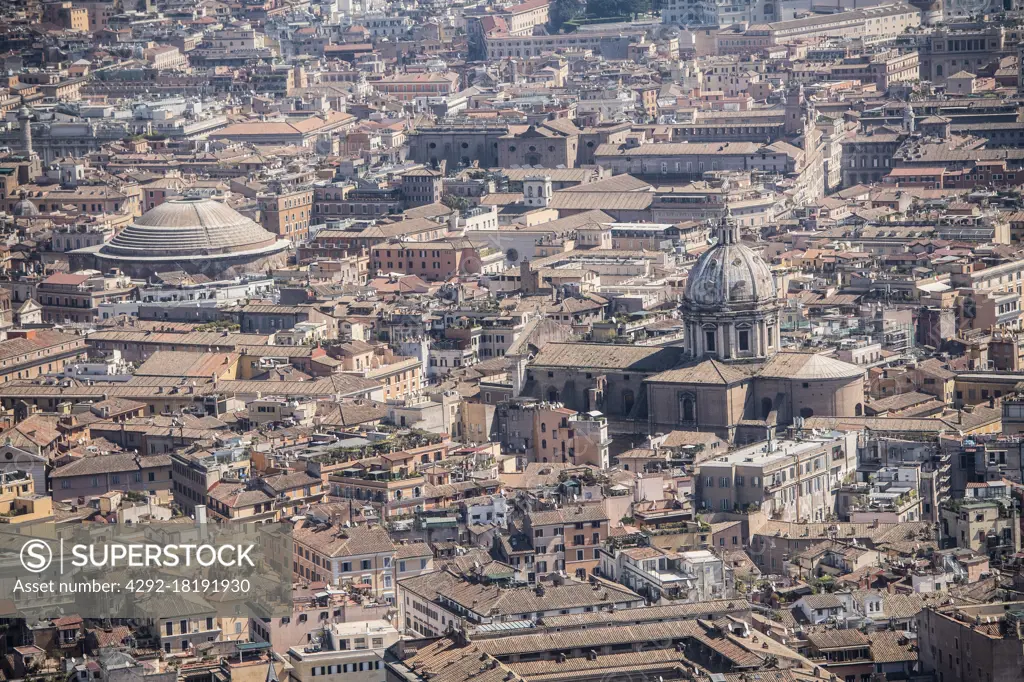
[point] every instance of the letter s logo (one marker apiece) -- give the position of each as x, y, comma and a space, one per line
36, 556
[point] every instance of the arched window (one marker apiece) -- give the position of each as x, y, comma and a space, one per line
858, 410
806, 412
543, 427
552, 396
687, 408
628, 400
543, 444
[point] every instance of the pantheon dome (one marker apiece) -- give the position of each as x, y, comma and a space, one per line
196, 235
731, 304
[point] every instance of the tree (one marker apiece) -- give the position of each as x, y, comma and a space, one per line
634, 7
617, 8
455, 202
603, 8
562, 11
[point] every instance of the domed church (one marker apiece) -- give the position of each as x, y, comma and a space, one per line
195, 235
736, 380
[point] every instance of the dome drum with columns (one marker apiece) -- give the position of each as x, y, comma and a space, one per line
731, 304
196, 235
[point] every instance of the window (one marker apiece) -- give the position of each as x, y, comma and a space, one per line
709, 341
744, 340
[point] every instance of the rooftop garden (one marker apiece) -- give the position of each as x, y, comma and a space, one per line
399, 441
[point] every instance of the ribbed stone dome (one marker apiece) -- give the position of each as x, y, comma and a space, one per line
189, 227
729, 273
25, 209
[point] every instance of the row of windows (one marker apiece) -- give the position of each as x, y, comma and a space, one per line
347, 667
115, 479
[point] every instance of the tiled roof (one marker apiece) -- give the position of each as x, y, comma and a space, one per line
235, 495
413, 549
577, 514
340, 542
608, 356
808, 366
284, 482
590, 638
446, 661
836, 639
13, 348
110, 464
705, 372
648, 614
889, 646
822, 601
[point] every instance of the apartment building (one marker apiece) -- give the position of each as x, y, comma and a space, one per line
288, 214
181, 635
521, 18
502, 45
194, 474
91, 477
790, 480
567, 539
432, 261
360, 556
19, 500
881, 21
986, 525
400, 376
422, 187
868, 157
884, 69
33, 352
429, 603
76, 297
294, 490
952, 646
663, 576
409, 87
344, 651
945, 52
689, 161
